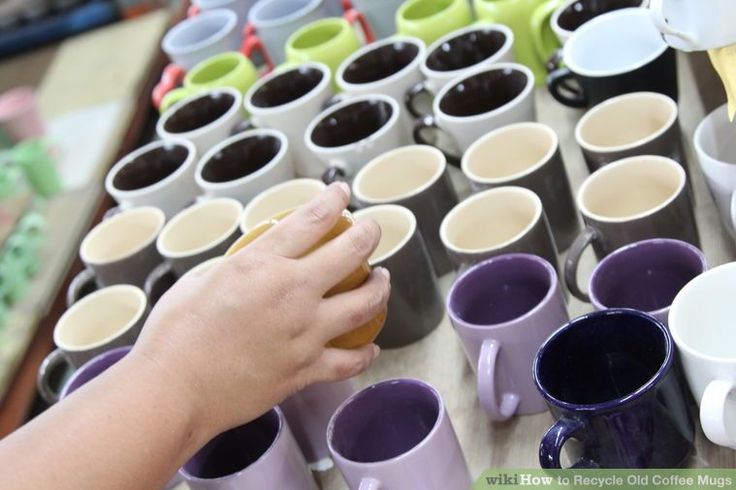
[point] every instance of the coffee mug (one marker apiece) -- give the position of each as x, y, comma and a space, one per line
611, 382
288, 100
259, 454
480, 101
656, 205
640, 123
700, 322
417, 178
244, 164
645, 276
122, 249
694, 26
503, 309
415, 307
526, 155
429, 20
198, 233
238, 7
572, 14
360, 336
277, 199
380, 14
350, 133
496, 222
534, 40
159, 281
604, 62
80, 335
159, 174
204, 119
397, 434
20, 118
713, 142
83, 284
200, 37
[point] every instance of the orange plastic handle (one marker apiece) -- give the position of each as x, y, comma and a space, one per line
251, 43
193, 10
353, 16
171, 78
347, 5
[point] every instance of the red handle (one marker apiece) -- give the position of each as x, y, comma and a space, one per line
251, 43
193, 10
171, 78
353, 16
347, 5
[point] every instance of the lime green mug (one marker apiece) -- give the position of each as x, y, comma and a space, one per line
429, 20
534, 40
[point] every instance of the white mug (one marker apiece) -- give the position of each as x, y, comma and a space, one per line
200, 37
281, 197
238, 7
701, 323
695, 25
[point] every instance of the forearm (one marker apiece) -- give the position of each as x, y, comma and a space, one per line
131, 428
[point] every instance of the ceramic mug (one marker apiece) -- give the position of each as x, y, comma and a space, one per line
429, 20
417, 178
380, 14
639, 123
159, 174
605, 63
277, 199
503, 309
526, 155
480, 101
238, 7
572, 14
397, 434
645, 276
692, 26
288, 100
611, 382
80, 335
700, 325
20, 118
242, 165
506, 219
261, 453
413, 311
657, 205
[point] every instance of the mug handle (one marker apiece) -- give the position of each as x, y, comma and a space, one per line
353, 16
193, 10
335, 99
252, 42
415, 91
157, 273
347, 5
113, 211
55, 359
713, 408
244, 125
558, 83
78, 283
486, 384
333, 174
572, 262
537, 22
171, 77
426, 122
555, 438
370, 484
656, 11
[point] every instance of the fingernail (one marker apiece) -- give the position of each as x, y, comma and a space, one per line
376, 351
385, 272
345, 188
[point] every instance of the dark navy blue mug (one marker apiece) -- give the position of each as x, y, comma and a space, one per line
611, 383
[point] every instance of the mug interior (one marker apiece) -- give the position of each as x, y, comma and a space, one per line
649, 184
241, 158
351, 123
318, 34
199, 227
421, 9
233, 451
92, 369
199, 112
581, 11
381, 62
150, 167
217, 68
384, 421
122, 235
501, 289
483, 92
466, 50
600, 358
277, 199
397, 227
399, 174
287, 87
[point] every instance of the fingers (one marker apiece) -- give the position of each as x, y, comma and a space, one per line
341, 364
347, 311
298, 232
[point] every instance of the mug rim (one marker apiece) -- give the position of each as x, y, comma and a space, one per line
525, 126
401, 11
580, 198
82, 303
368, 167
441, 416
657, 242
394, 209
349, 87
266, 23
539, 212
92, 363
241, 60
469, 73
121, 194
266, 193
490, 263
184, 214
174, 108
261, 82
713, 118
615, 403
229, 22
561, 31
606, 105
317, 24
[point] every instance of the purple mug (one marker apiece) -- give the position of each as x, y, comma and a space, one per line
503, 309
646, 276
397, 434
260, 454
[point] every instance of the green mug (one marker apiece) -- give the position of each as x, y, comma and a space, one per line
33, 157
534, 40
429, 20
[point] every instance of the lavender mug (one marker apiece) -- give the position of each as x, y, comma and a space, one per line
397, 434
503, 309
